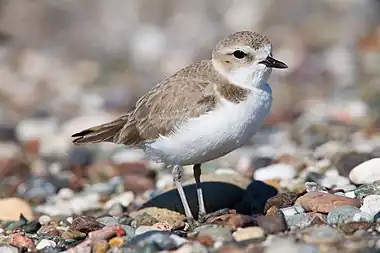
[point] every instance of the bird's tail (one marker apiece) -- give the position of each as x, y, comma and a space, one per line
101, 133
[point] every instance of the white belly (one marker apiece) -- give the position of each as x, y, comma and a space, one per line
214, 134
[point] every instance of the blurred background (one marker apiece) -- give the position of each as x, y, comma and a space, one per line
67, 65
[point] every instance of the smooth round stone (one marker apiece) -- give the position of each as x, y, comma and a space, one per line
44, 219
125, 199
324, 202
248, 233
366, 173
279, 170
321, 234
143, 229
299, 220
45, 243
215, 232
345, 214
371, 204
107, 220
164, 240
65, 193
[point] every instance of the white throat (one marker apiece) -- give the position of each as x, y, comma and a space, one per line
250, 77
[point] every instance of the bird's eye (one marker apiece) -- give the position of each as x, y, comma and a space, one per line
239, 54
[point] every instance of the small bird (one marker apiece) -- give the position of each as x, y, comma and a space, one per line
200, 113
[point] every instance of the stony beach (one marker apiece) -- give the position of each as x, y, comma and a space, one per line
308, 182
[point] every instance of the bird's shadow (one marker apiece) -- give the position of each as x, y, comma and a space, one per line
217, 195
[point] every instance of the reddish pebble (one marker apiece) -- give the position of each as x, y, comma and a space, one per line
21, 241
324, 202
107, 232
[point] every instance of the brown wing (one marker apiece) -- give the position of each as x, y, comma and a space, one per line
168, 105
188, 93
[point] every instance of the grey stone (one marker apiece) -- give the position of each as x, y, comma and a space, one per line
345, 214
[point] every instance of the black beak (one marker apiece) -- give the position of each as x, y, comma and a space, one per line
273, 63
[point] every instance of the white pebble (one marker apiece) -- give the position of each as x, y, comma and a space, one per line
366, 173
371, 204
125, 199
279, 170
143, 229
44, 219
45, 243
292, 210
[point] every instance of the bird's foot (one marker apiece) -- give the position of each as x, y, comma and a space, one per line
204, 217
193, 224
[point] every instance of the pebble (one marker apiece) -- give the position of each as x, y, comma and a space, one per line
272, 224
21, 241
368, 189
347, 162
279, 170
352, 227
72, 234
143, 229
11, 208
107, 220
100, 246
314, 187
371, 204
344, 214
107, 232
299, 220
366, 172
116, 242
85, 224
292, 210
125, 199
281, 200
321, 234
324, 202
44, 219
248, 233
45, 243
215, 233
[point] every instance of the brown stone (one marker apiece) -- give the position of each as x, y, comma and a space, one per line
281, 200
233, 221
325, 202
151, 215
11, 208
72, 234
85, 224
272, 224
48, 230
206, 240
352, 227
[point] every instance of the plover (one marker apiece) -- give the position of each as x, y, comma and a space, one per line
201, 112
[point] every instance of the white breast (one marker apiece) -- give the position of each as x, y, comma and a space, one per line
214, 134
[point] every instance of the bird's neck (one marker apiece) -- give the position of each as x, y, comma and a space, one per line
250, 77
